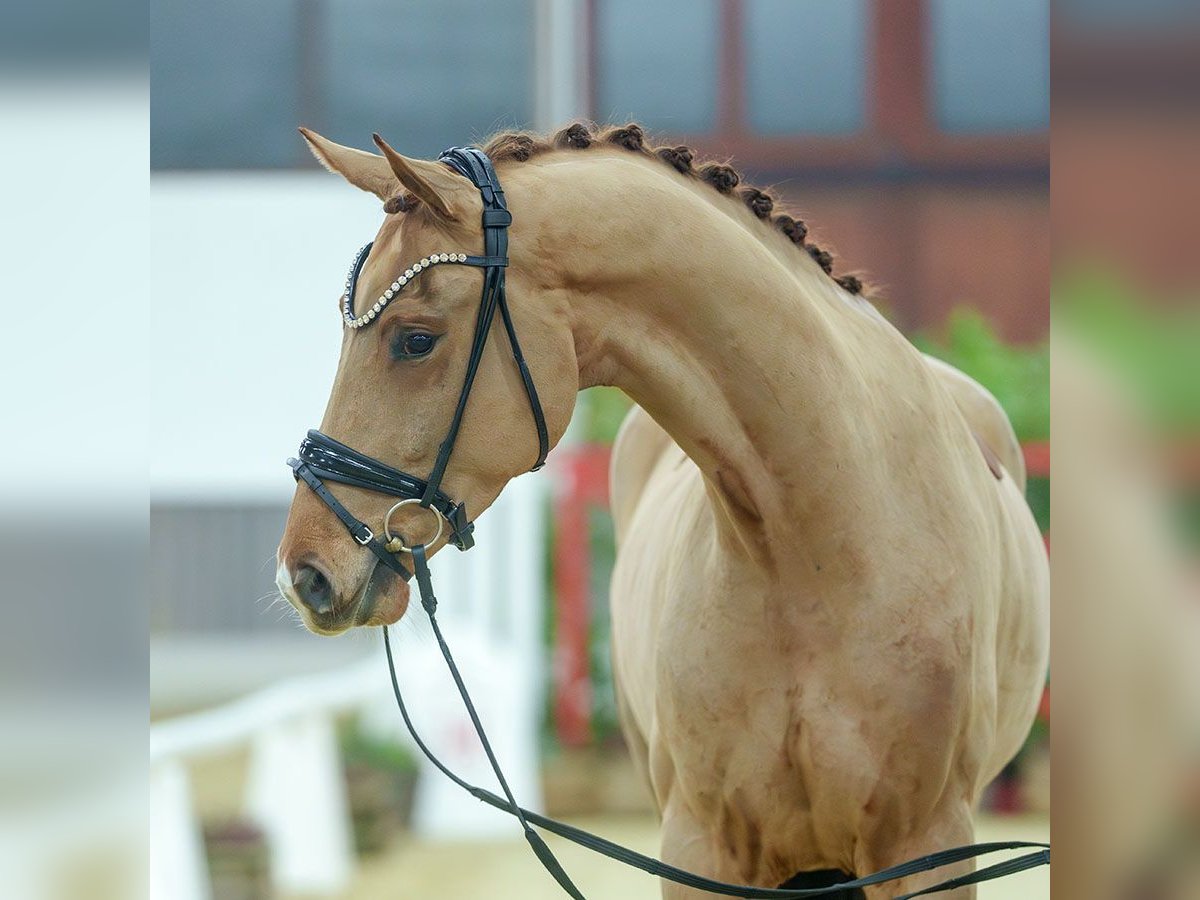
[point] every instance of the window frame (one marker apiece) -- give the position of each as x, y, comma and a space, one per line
900, 126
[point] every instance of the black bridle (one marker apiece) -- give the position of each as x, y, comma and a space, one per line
321, 458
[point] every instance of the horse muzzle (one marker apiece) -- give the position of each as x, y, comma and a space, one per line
329, 606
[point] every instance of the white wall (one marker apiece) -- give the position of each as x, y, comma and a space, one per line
246, 271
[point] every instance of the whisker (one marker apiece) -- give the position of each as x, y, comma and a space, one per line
269, 595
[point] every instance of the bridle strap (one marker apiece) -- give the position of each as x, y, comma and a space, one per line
357, 528
473, 164
338, 462
330, 460
535, 405
648, 864
483, 321
321, 457
509, 804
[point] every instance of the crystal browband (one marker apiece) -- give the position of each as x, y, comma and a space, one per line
393, 289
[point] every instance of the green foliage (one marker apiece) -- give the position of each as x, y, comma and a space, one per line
604, 409
1018, 376
603, 540
358, 746
1156, 351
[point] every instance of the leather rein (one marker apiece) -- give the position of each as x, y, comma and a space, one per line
321, 458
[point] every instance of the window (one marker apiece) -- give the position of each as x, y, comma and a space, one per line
427, 75
224, 84
990, 64
1141, 16
231, 79
656, 62
806, 66
71, 34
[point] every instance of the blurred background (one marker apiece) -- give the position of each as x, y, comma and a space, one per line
913, 136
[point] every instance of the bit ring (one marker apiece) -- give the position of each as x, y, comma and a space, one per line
395, 544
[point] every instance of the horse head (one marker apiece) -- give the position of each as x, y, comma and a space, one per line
424, 386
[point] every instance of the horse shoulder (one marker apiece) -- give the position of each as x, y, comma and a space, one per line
985, 417
639, 446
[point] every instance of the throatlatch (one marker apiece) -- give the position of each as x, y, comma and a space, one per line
321, 458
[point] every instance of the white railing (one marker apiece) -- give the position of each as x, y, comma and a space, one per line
491, 603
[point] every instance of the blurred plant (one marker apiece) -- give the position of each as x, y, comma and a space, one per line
359, 746
1155, 348
239, 865
603, 539
603, 411
381, 777
1018, 376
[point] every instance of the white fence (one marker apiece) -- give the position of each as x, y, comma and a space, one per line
491, 602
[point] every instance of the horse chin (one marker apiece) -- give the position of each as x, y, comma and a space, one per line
384, 599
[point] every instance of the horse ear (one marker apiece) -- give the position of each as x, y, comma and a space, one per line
431, 183
365, 171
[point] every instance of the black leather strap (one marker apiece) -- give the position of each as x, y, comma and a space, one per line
484, 262
357, 528
474, 165
647, 863
477, 167
535, 404
334, 461
538, 845
328, 459
321, 457
483, 322
355, 271
988, 873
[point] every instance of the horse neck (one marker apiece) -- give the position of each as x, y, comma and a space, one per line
740, 357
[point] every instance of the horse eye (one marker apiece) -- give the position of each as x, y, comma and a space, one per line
412, 344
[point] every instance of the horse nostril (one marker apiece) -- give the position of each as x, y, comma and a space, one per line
314, 589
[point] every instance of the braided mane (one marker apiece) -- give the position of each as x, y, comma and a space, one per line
521, 145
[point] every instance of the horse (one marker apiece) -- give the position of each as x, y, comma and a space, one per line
830, 603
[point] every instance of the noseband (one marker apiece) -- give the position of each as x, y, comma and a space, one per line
324, 459
321, 458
